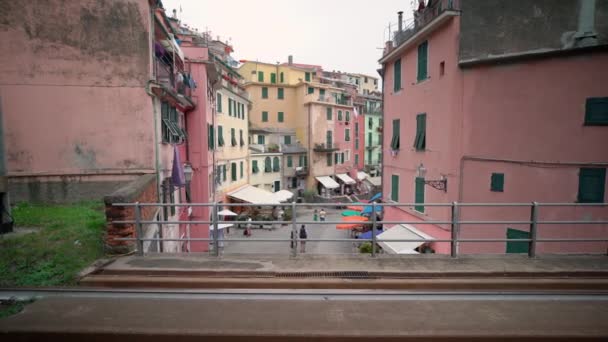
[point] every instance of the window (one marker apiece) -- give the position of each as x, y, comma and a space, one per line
329, 161
356, 129
419, 196
441, 68
596, 111
233, 172
260, 76
307, 77
347, 116
289, 161
329, 114
356, 143
220, 136
229, 107
339, 115
210, 137
370, 140
273, 78
347, 134
356, 160
218, 176
280, 117
396, 140
497, 182
322, 93
422, 60
346, 155
264, 116
370, 123
397, 75
303, 160
171, 131
267, 165
254, 166
420, 141
224, 172
311, 90
591, 185
280, 93
261, 140
282, 77
233, 137
242, 141
288, 140
275, 164
365, 80
218, 103
264, 92
241, 165
328, 139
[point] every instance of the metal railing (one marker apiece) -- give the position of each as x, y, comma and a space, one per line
421, 19
454, 223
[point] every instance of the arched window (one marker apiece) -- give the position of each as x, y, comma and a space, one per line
267, 165
275, 164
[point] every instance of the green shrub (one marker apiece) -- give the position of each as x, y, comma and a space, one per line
365, 248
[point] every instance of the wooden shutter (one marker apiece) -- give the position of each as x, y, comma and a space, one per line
497, 182
288, 140
329, 114
220, 136
395, 188
275, 164
233, 171
241, 169
591, 185
289, 161
273, 78
329, 156
307, 77
596, 111
267, 165
517, 246
260, 76
264, 92
397, 75
282, 77
422, 61
420, 141
264, 116
280, 93
219, 103
419, 196
328, 139
280, 117
254, 166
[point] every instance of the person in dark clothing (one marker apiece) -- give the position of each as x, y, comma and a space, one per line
303, 237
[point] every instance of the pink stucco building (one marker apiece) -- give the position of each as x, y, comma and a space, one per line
498, 111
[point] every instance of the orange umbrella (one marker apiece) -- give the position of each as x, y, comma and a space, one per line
355, 207
348, 219
347, 226
354, 218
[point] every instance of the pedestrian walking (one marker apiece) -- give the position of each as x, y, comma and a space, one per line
315, 215
248, 228
322, 214
303, 237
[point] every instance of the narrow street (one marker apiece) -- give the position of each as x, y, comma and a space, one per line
318, 231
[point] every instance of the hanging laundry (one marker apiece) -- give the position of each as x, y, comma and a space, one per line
180, 78
178, 178
191, 81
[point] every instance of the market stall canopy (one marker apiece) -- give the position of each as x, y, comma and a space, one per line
375, 181
376, 197
368, 235
227, 212
368, 209
403, 232
220, 226
345, 178
251, 194
354, 218
283, 195
328, 182
351, 222
358, 208
362, 175
351, 213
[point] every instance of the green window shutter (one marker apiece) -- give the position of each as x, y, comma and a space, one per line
347, 134
229, 107
356, 143
224, 172
397, 75
329, 139
307, 77
395, 188
422, 60
241, 170
342, 158
275, 164
289, 161
220, 136
233, 171
211, 137
267, 165
356, 160
396, 139
329, 114
356, 128
288, 140
264, 116
242, 140
497, 182
321, 92
280, 117
260, 76
301, 161
219, 103
273, 78
517, 246
254, 166
264, 92
369, 156
336, 158
233, 137
420, 141
282, 77
591, 185
419, 197
339, 115
311, 90
596, 111
280, 93
347, 116
329, 159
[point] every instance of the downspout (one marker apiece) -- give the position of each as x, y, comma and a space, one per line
309, 154
5, 208
152, 97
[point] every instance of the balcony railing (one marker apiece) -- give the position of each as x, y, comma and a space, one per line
301, 171
331, 99
423, 18
325, 148
164, 74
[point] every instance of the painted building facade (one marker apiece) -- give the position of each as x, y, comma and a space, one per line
494, 121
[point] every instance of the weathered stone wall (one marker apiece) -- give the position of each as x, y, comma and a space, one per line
144, 190
64, 190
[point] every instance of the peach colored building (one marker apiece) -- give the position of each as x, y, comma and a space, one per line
499, 113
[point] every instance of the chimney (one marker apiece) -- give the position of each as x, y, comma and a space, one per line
290, 60
400, 22
174, 13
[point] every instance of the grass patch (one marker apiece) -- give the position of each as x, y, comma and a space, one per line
10, 307
69, 239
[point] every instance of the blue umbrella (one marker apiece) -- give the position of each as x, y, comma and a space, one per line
376, 197
368, 210
368, 235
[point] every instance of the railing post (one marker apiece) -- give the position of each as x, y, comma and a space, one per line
216, 247
455, 230
139, 230
374, 229
533, 230
294, 230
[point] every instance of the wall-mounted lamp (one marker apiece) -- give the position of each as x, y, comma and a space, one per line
440, 184
188, 172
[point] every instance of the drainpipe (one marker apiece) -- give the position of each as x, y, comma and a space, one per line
5, 209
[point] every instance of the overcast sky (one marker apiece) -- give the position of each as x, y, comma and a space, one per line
343, 35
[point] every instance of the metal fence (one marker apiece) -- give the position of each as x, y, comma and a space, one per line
454, 223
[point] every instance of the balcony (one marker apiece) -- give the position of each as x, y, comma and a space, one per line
325, 148
333, 100
301, 171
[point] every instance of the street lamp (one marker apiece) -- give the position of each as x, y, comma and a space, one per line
440, 184
188, 172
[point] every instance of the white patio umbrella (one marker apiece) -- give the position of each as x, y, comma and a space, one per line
227, 212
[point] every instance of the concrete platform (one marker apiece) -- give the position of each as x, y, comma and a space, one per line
460, 319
